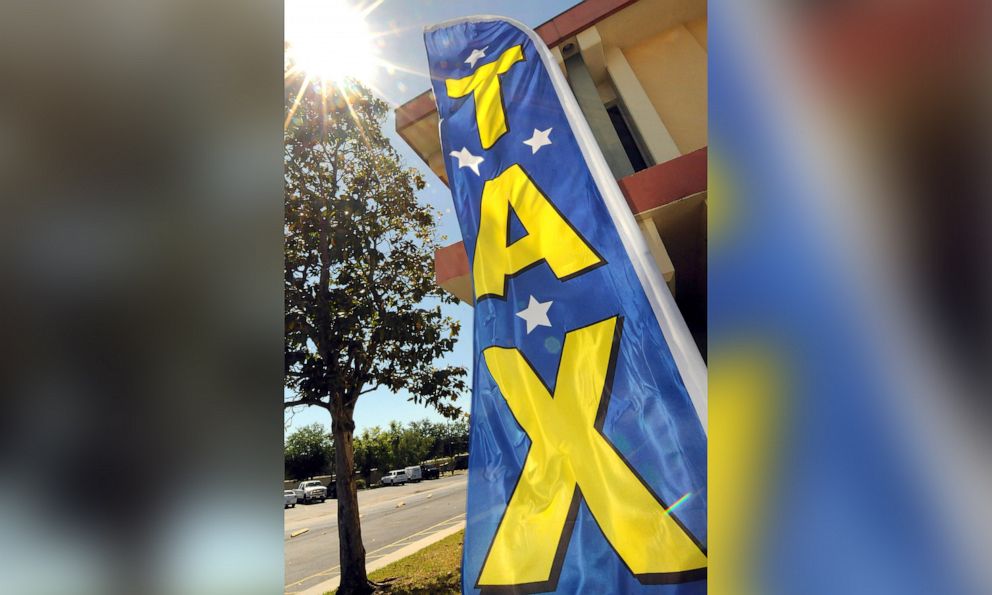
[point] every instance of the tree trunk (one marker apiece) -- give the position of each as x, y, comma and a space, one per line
353, 577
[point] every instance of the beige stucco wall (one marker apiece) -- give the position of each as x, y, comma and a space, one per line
671, 67
698, 29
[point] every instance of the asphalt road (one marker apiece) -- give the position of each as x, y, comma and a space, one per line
392, 517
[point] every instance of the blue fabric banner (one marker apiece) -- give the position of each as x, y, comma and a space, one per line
587, 467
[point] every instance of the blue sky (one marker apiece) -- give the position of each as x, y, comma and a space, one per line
402, 23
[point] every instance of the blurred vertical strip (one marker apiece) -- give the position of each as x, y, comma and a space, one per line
141, 433
850, 309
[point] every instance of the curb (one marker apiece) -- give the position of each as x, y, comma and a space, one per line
403, 552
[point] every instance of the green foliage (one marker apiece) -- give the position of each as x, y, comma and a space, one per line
362, 307
397, 447
360, 484
373, 450
308, 451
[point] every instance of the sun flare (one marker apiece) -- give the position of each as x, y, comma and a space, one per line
329, 40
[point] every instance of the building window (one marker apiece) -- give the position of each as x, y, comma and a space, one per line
627, 139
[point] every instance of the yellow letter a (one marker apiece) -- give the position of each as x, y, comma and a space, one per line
549, 236
484, 86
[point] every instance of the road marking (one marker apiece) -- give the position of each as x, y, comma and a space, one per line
368, 554
298, 533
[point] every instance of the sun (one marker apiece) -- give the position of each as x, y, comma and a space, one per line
330, 40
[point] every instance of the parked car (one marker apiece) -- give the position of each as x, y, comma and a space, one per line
414, 474
396, 477
289, 496
308, 491
430, 472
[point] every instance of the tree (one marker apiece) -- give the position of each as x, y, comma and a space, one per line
362, 307
397, 446
308, 452
453, 438
412, 447
373, 450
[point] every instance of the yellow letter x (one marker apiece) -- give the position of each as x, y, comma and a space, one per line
569, 458
484, 86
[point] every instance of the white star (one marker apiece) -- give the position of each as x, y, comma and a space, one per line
466, 159
538, 140
475, 56
536, 314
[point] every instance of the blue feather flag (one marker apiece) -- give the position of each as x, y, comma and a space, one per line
587, 467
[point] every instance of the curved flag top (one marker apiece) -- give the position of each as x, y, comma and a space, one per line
587, 467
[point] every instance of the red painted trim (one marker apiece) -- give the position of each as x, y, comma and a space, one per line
648, 189
414, 110
582, 16
450, 262
666, 182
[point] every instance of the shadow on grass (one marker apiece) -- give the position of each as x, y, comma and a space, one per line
445, 584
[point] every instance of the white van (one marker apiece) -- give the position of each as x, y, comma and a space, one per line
413, 473
396, 477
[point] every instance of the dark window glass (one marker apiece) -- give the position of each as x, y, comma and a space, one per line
626, 138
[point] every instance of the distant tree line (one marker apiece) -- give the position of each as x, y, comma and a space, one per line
309, 451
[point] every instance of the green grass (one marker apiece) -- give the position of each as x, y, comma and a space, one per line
433, 570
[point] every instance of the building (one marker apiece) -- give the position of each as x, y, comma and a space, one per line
638, 71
